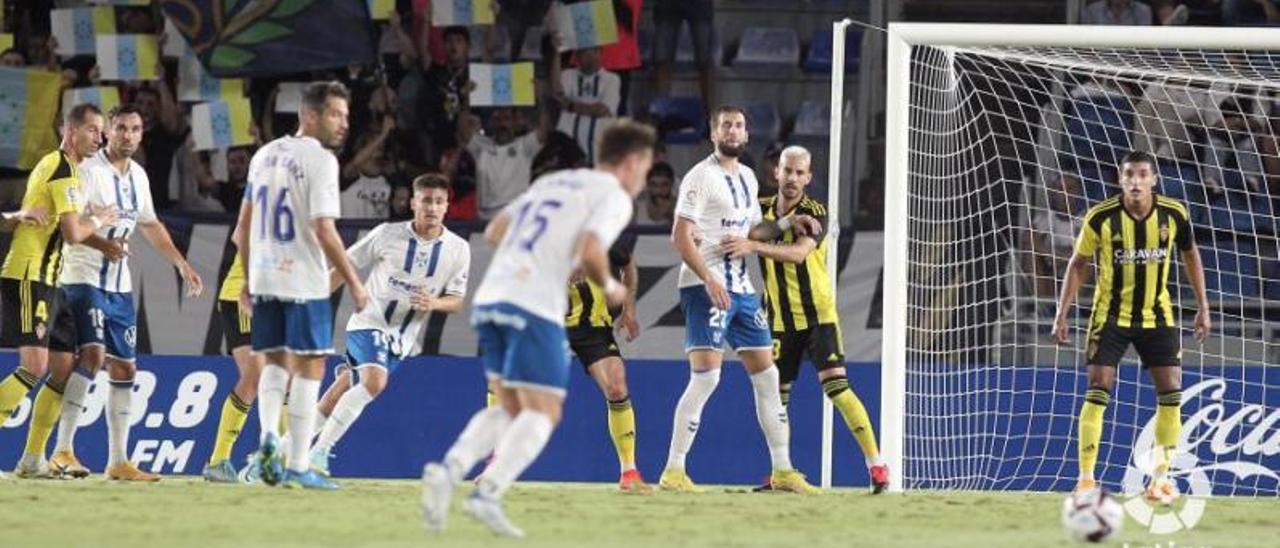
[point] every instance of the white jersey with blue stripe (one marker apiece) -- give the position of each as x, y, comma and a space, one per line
292, 181
719, 204
531, 267
102, 185
402, 263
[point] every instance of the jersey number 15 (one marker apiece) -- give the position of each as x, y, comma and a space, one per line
531, 223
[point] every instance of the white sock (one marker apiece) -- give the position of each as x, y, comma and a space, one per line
119, 400
318, 426
523, 442
272, 384
345, 412
73, 395
689, 414
772, 417
303, 396
476, 441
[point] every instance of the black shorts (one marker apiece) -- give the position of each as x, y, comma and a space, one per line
592, 344
1157, 346
821, 344
26, 308
62, 330
235, 326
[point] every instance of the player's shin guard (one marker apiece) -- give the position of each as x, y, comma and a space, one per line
622, 428
1168, 428
476, 441
13, 388
1095, 404
272, 384
522, 443
688, 414
73, 395
303, 396
855, 416
772, 417
119, 400
44, 414
234, 413
345, 413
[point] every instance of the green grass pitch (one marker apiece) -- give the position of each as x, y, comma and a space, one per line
187, 512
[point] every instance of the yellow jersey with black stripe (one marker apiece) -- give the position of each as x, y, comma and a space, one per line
587, 305
798, 296
35, 253
233, 282
1134, 257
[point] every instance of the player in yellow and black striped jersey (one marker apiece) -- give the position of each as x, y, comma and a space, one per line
236, 327
1133, 237
30, 270
590, 325
801, 304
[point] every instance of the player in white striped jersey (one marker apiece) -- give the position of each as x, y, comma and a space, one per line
717, 203
287, 240
95, 316
565, 220
418, 267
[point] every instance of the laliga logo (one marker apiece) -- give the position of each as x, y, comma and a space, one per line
1224, 434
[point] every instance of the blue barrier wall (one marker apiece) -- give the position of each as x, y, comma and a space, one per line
1021, 440
429, 401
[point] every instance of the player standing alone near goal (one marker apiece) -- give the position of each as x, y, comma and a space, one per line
802, 309
1133, 235
565, 219
287, 240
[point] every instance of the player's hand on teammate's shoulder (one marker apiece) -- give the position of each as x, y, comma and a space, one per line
737, 246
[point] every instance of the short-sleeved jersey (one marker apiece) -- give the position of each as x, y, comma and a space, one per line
720, 204
35, 252
587, 304
798, 296
292, 181
1134, 257
130, 193
233, 281
531, 266
402, 263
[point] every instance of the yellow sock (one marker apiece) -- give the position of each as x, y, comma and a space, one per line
490, 399
1095, 404
12, 389
234, 412
622, 428
855, 415
1168, 428
44, 416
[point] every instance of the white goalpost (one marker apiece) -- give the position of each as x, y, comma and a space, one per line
998, 138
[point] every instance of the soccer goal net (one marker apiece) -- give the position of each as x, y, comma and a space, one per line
999, 139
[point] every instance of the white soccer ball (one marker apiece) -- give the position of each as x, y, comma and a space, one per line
1092, 516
